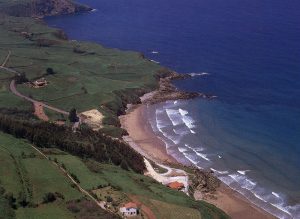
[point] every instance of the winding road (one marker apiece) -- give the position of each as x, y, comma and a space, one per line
13, 89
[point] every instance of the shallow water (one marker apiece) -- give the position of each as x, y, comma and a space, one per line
246, 53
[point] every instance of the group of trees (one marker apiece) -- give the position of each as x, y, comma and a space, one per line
21, 78
85, 143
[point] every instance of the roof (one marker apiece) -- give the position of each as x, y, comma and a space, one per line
176, 185
130, 205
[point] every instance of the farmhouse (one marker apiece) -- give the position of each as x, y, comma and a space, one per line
129, 209
176, 185
39, 83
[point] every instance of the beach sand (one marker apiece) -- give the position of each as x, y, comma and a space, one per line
140, 132
143, 139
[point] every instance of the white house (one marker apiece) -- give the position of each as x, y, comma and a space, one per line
130, 209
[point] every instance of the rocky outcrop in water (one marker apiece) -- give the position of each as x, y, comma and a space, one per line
42, 8
167, 91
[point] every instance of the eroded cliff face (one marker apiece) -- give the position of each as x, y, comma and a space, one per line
42, 8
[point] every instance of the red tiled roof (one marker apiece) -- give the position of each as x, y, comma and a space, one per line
176, 185
130, 205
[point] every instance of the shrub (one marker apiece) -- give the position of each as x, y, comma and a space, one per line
50, 71
109, 199
49, 197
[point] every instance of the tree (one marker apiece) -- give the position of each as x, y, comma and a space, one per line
73, 115
21, 78
49, 197
22, 199
75, 177
11, 199
124, 165
50, 71
109, 199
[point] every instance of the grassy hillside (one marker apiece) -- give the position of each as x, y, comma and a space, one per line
84, 79
86, 75
27, 174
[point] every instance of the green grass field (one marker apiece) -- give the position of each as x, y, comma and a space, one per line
165, 210
23, 170
44, 178
84, 80
88, 179
49, 211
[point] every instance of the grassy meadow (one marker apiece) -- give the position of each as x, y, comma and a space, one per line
86, 75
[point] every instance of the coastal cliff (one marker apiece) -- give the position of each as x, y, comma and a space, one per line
42, 8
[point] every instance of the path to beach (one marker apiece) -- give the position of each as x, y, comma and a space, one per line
165, 179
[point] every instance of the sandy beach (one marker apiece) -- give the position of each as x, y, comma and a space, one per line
144, 140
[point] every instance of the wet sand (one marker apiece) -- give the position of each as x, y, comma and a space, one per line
143, 139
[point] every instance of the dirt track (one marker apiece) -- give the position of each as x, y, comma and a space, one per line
39, 112
14, 90
147, 211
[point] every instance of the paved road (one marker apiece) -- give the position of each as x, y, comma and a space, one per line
14, 90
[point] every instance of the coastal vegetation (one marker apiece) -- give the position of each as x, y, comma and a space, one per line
84, 143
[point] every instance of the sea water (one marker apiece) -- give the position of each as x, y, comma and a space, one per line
247, 53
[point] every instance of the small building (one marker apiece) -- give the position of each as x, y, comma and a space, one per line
40, 83
130, 209
176, 185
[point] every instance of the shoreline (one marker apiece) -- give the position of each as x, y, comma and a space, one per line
142, 138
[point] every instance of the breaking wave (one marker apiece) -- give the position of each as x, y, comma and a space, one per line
174, 123
193, 74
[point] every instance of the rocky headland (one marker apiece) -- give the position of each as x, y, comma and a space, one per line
167, 91
42, 8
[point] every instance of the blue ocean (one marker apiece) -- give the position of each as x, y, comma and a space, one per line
247, 53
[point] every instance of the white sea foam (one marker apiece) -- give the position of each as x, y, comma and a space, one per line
174, 116
188, 121
94, 10
275, 194
183, 112
204, 156
193, 74
175, 102
174, 138
181, 131
243, 172
192, 131
244, 181
154, 61
189, 158
199, 149
219, 171
182, 150
154, 52
159, 121
197, 152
